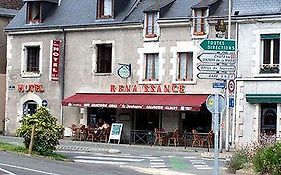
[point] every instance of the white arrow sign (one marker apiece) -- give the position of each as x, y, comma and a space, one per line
218, 76
217, 58
221, 68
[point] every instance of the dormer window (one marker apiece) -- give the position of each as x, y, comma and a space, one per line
34, 12
200, 21
105, 9
151, 27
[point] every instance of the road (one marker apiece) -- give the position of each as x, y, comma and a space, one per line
15, 164
169, 161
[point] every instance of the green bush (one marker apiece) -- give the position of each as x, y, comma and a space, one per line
239, 160
268, 160
47, 132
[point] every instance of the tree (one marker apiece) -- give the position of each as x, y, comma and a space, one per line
47, 131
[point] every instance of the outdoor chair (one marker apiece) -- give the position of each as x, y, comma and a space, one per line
175, 137
208, 141
159, 136
82, 133
74, 132
91, 134
196, 139
104, 135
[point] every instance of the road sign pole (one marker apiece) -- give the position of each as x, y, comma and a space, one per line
216, 132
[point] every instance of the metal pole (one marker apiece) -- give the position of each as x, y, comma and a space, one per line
229, 19
227, 119
31, 140
216, 132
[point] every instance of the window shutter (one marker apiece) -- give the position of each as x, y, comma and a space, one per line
270, 36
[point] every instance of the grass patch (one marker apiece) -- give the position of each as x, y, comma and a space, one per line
21, 149
14, 148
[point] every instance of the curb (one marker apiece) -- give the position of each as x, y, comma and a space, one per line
208, 155
87, 149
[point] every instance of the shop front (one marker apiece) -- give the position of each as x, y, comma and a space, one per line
141, 113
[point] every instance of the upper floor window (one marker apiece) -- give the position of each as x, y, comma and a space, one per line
270, 53
34, 12
151, 24
152, 67
104, 58
185, 66
200, 22
32, 60
105, 9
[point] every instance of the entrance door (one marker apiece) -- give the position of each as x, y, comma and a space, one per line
268, 118
29, 107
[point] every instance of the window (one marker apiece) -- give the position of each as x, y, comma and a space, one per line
34, 12
29, 107
151, 25
185, 66
200, 21
151, 67
268, 118
105, 9
270, 53
104, 58
32, 60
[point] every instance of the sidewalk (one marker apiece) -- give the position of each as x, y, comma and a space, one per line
69, 145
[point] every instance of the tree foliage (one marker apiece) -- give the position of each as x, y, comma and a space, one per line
47, 131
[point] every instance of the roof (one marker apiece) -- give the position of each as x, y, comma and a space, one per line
11, 4
8, 12
256, 7
205, 3
72, 13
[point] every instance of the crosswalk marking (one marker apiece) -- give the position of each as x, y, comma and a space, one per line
109, 158
199, 164
157, 160
99, 162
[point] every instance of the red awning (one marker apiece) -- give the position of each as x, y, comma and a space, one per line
178, 102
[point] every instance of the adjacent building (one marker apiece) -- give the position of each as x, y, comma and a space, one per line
258, 80
8, 10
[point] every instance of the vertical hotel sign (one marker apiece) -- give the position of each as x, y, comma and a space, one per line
55, 58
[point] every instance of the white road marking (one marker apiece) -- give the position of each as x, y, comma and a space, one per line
156, 160
28, 169
158, 166
109, 158
8, 172
190, 157
99, 162
153, 163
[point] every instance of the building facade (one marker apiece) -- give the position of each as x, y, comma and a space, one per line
132, 62
258, 79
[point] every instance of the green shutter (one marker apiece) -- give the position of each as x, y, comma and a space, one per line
270, 36
263, 98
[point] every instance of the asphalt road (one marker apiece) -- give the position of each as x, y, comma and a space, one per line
167, 160
15, 164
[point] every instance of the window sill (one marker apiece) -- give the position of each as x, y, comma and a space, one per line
149, 82
268, 75
102, 74
197, 36
147, 39
31, 22
30, 75
191, 82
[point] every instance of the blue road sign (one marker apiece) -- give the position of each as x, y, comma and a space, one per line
231, 102
219, 85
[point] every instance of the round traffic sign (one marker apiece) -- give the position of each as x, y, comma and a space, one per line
44, 103
231, 86
210, 103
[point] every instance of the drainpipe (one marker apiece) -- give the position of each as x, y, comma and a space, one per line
62, 73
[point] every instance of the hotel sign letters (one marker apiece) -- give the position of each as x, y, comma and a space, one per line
55, 57
30, 87
149, 88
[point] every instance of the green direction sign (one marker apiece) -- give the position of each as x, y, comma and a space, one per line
226, 45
